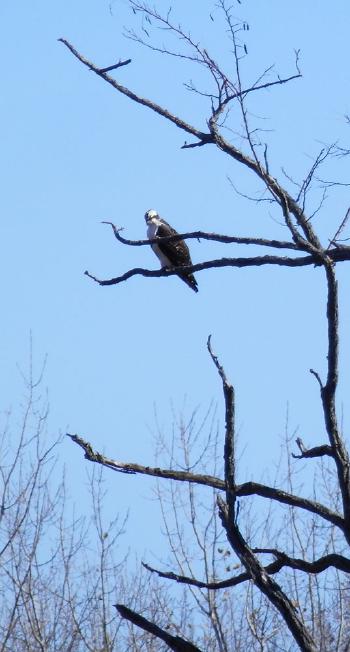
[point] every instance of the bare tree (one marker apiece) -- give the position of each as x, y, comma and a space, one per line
59, 572
304, 248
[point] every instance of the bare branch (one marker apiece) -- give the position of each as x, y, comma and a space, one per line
264, 582
175, 643
340, 228
115, 66
328, 396
257, 489
320, 158
216, 237
317, 376
215, 137
316, 451
229, 455
272, 568
337, 254
318, 566
245, 489
137, 98
282, 561
131, 467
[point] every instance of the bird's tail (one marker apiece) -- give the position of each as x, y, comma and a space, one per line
190, 281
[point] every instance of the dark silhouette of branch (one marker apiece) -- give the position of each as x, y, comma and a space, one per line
328, 396
310, 251
318, 378
229, 454
318, 566
175, 643
282, 561
287, 203
258, 489
137, 98
340, 228
200, 55
264, 582
115, 66
229, 517
316, 451
336, 254
245, 489
272, 568
216, 237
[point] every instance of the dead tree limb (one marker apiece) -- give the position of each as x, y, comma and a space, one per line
264, 582
176, 643
245, 489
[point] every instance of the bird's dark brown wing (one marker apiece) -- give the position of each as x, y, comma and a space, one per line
177, 252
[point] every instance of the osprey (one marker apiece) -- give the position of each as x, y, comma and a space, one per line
170, 254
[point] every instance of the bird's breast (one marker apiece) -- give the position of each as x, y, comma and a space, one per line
152, 231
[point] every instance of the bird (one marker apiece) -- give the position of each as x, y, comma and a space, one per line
173, 253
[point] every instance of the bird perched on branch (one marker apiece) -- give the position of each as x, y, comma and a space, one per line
171, 254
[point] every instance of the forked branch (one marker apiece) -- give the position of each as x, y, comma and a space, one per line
264, 582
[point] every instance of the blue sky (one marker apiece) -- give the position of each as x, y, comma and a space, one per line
74, 153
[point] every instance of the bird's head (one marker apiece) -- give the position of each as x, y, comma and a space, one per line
150, 216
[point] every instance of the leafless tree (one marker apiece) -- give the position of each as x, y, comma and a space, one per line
59, 572
303, 247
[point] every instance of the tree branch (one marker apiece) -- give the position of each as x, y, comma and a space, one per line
316, 451
264, 582
253, 261
287, 203
332, 560
257, 489
175, 643
245, 489
229, 397
216, 237
120, 64
328, 396
282, 561
137, 98
274, 567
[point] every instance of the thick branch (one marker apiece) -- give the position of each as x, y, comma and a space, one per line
332, 560
229, 456
246, 489
328, 396
264, 582
257, 489
175, 643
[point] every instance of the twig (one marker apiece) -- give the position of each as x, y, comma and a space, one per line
115, 66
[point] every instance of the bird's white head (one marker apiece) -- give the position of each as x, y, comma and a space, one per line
150, 215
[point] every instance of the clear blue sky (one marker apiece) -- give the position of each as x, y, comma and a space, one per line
74, 152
